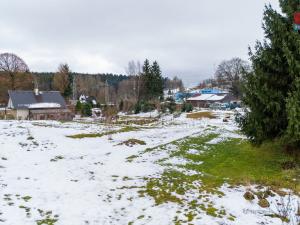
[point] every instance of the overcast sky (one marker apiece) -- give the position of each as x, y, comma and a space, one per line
187, 37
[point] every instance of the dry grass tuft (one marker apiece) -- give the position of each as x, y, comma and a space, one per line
200, 115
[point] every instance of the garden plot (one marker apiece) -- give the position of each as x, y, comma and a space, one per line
159, 174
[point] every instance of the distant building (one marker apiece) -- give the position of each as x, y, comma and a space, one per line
88, 99
204, 100
207, 91
38, 105
213, 91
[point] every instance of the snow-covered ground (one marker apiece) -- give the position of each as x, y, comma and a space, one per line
47, 177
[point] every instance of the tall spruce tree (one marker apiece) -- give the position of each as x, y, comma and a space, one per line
272, 88
146, 67
153, 81
147, 78
157, 83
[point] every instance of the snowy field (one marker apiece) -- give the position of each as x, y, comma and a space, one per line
49, 178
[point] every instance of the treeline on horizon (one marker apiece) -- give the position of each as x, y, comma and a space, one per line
45, 79
117, 86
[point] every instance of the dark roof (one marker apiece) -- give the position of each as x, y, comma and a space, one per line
23, 99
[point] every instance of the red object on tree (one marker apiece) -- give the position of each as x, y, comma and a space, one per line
297, 18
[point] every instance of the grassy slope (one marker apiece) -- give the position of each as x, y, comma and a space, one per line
96, 135
234, 161
238, 162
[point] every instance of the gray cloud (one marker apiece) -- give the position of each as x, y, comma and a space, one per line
188, 38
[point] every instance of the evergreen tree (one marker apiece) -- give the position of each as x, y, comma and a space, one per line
69, 90
157, 80
272, 88
146, 67
153, 81
147, 80
87, 109
293, 115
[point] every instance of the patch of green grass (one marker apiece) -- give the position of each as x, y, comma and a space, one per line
26, 198
238, 162
96, 135
47, 221
234, 162
59, 157
131, 142
192, 143
166, 188
212, 211
131, 158
190, 216
136, 121
140, 217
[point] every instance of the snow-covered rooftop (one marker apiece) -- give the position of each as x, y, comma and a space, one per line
44, 105
207, 97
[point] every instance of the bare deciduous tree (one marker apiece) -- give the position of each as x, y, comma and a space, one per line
12, 65
134, 68
61, 80
230, 72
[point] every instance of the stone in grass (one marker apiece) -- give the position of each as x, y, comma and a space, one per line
249, 196
263, 203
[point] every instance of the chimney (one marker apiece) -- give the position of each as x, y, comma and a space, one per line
36, 91
36, 87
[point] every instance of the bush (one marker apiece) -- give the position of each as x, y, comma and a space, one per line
86, 109
187, 107
144, 106
147, 106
